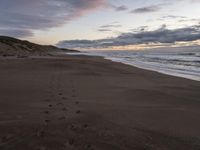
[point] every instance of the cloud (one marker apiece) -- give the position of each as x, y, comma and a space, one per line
173, 17
148, 9
161, 35
109, 27
104, 30
195, 1
118, 8
140, 29
42, 14
180, 19
112, 25
121, 8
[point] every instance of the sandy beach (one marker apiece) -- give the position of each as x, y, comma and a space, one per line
88, 103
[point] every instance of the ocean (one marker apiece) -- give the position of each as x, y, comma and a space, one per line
174, 61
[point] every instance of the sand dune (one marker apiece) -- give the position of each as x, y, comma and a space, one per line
14, 47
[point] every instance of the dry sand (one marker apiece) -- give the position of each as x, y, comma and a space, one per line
88, 103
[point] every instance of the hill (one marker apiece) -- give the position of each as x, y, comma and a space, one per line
14, 47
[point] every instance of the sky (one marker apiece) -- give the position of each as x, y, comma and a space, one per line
103, 24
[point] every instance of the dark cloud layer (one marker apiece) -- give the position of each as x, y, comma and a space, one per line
26, 16
161, 35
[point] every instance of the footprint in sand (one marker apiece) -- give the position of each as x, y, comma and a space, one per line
64, 109
60, 94
46, 121
64, 98
89, 147
50, 105
46, 112
73, 127
59, 104
47, 100
42, 148
77, 102
78, 112
7, 138
73, 95
40, 133
71, 141
85, 126
62, 118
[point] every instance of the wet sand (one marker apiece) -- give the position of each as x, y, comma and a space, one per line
88, 103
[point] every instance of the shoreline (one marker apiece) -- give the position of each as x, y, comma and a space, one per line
161, 72
189, 77
88, 102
